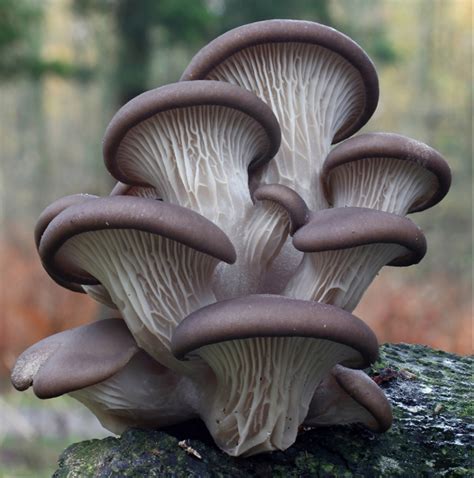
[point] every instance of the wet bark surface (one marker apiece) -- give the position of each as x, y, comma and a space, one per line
430, 392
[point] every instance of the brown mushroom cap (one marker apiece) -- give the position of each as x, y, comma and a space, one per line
75, 359
128, 212
389, 145
288, 199
46, 217
367, 394
273, 316
183, 95
291, 31
56, 208
347, 227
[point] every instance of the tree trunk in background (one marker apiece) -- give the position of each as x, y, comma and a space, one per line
430, 392
133, 32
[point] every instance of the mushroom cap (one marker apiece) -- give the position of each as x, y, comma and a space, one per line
56, 208
183, 95
75, 358
273, 316
367, 394
389, 145
128, 212
46, 217
291, 31
347, 227
288, 199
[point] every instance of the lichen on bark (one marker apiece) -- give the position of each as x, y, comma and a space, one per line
430, 392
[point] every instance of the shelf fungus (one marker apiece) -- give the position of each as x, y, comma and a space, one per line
236, 244
385, 171
268, 353
101, 365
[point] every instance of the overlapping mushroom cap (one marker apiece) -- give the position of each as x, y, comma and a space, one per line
344, 250
155, 259
349, 396
385, 171
194, 143
269, 353
97, 292
101, 365
320, 84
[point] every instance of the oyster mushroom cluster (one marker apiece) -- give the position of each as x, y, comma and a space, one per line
236, 245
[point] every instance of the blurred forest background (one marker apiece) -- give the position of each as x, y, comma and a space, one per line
67, 65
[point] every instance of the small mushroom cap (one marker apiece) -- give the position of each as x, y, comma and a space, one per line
128, 212
46, 217
182, 95
389, 145
291, 31
273, 316
367, 393
347, 227
74, 359
56, 208
288, 199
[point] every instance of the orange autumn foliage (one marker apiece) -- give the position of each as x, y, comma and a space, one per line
32, 305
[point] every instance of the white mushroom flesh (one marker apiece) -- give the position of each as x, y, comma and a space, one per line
99, 293
155, 282
341, 277
388, 184
197, 157
313, 92
141, 394
257, 245
264, 387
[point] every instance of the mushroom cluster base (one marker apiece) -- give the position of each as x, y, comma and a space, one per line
430, 393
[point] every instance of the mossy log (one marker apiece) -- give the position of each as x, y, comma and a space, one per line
431, 395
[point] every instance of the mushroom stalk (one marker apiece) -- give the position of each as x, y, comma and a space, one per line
264, 389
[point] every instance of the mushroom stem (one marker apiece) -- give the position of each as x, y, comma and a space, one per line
264, 389
143, 394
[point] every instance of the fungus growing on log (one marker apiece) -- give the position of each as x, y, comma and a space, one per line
234, 278
269, 353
